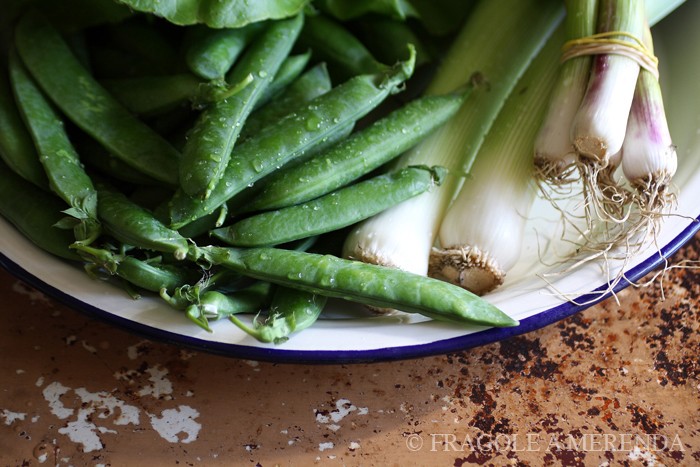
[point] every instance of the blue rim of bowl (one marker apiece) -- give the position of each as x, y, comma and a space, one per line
441, 347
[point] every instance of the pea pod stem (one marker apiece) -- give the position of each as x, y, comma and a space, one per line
211, 140
275, 146
368, 284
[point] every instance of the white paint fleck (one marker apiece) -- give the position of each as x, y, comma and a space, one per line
35, 418
82, 431
252, 363
354, 445
327, 445
39, 381
320, 418
33, 294
10, 416
290, 442
20, 371
334, 427
332, 456
161, 385
647, 457
89, 347
43, 457
284, 432
93, 405
172, 422
70, 340
52, 393
134, 351
189, 394
107, 404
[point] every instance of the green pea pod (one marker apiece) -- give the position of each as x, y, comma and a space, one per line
133, 225
386, 38
291, 310
290, 70
361, 153
210, 142
153, 95
352, 9
34, 213
97, 157
61, 163
210, 53
202, 305
308, 86
152, 276
333, 211
368, 284
92, 108
291, 137
16, 146
333, 43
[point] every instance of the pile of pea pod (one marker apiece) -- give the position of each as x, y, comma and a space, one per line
218, 168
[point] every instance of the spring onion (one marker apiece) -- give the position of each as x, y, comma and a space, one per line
500, 189
403, 236
554, 152
648, 154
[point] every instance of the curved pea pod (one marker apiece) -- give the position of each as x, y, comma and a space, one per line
333, 211
210, 53
291, 310
311, 84
89, 105
359, 154
34, 213
302, 129
211, 140
290, 70
202, 305
368, 284
97, 157
133, 225
333, 43
153, 95
61, 163
16, 146
151, 276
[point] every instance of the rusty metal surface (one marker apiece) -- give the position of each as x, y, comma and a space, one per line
613, 385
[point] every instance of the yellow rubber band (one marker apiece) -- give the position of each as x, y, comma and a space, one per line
612, 42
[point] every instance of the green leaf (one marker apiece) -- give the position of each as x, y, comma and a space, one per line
350, 9
218, 13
